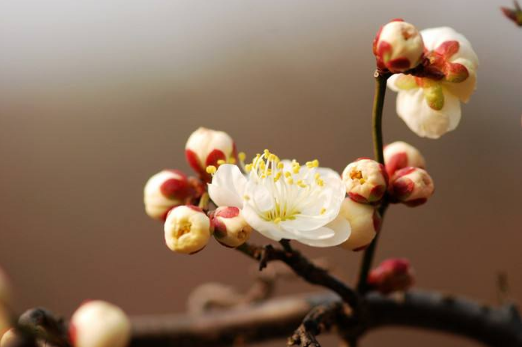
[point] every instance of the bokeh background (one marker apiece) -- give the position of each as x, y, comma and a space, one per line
96, 96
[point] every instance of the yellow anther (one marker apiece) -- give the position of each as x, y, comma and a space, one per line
277, 220
323, 210
221, 162
301, 184
269, 172
288, 174
316, 163
280, 166
296, 167
277, 176
267, 153
241, 156
317, 176
248, 167
320, 182
290, 181
246, 197
232, 160
272, 157
211, 169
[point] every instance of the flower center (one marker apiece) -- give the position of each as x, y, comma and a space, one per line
290, 185
184, 228
357, 175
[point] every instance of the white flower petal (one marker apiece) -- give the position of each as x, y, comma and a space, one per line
260, 196
228, 186
434, 37
391, 82
422, 119
267, 229
341, 232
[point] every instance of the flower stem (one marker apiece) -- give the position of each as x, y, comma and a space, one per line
378, 105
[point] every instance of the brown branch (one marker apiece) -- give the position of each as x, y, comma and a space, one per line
277, 318
319, 320
304, 268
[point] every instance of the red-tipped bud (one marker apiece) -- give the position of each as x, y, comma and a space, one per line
365, 180
398, 155
165, 190
365, 222
99, 324
391, 275
230, 228
412, 186
206, 147
398, 47
187, 229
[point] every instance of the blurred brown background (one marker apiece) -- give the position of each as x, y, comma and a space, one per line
96, 96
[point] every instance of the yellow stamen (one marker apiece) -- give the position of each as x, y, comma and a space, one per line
221, 162
323, 210
241, 156
211, 169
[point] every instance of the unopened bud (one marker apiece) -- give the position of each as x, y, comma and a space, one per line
412, 186
187, 229
398, 46
165, 190
99, 324
230, 228
365, 180
9, 338
398, 155
364, 221
206, 147
391, 275
5, 321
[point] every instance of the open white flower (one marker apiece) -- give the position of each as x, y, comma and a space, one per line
430, 106
283, 200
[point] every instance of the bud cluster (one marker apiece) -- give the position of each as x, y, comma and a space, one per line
410, 183
171, 196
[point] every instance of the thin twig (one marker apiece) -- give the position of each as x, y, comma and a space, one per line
304, 268
378, 106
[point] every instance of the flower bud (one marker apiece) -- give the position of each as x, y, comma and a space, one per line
8, 338
5, 321
99, 324
166, 190
230, 228
398, 155
412, 186
187, 229
365, 180
364, 221
398, 46
206, 147
391, 275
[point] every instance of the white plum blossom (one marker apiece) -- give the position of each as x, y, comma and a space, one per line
430, 105
284, 200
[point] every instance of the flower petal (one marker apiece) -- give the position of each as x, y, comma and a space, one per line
267, 229
422, 119
228, 186
341, 232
